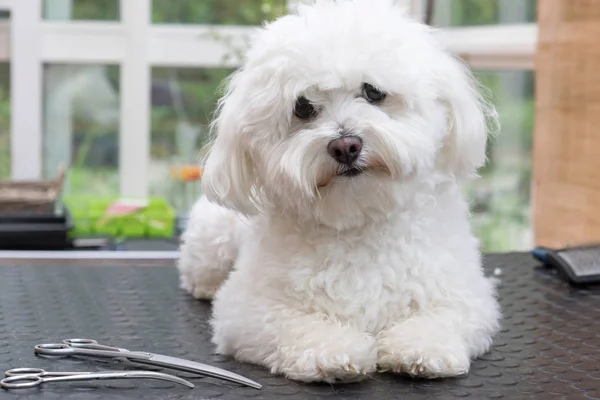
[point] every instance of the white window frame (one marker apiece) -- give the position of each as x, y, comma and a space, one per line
28, 42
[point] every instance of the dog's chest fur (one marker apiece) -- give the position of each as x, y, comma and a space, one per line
358, 281
366, 277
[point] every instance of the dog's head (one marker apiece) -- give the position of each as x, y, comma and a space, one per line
337, 106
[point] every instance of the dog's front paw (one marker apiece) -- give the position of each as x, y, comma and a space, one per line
422, 354
333, 362
205, 290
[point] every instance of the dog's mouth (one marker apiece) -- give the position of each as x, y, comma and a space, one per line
373, 168
352, 172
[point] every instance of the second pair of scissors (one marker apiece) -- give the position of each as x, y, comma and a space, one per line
90, 347
23, 378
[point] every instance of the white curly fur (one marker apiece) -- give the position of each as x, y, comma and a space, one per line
323, 277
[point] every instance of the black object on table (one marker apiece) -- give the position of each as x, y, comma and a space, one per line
578, 265
549, 347
30, 231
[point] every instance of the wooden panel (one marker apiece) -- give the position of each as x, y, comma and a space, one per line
566, 176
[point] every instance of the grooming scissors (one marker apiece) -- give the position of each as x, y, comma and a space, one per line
91, 348
23, 378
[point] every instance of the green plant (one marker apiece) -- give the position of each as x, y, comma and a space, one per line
487, 12
5, 110
227, 12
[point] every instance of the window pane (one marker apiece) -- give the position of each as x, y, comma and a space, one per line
102, 10
229, 12
4, 120
183, 101
483, 12
81, 127
501, 197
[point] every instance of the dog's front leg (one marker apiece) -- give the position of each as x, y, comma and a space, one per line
313, 348
300, 346
436, 343
208, 250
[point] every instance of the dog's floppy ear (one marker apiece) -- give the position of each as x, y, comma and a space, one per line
471, 120
229, 176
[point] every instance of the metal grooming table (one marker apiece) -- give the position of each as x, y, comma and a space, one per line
549, 347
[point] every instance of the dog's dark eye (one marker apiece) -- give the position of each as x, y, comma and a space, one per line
372, 94
304, 109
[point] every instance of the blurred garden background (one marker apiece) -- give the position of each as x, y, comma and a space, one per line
81, 111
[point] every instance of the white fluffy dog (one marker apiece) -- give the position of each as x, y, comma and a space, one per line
333, 236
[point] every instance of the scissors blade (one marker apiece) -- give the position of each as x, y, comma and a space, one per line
119, 375
197, 368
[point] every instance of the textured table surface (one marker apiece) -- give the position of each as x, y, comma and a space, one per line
549, 346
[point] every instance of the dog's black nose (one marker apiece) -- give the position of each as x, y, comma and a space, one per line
345, 149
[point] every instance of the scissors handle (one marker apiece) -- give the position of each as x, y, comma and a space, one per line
90, 344
32, 380
21, 381
24, 371
64, 350
39, 372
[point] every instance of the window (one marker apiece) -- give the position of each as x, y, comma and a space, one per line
183, 102
501, 197
497, 38
81, 127
128, 89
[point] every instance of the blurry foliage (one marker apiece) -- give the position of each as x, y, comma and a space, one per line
96, 9
228, 12
96, 181
501, 198
199, 89
4, 120
91, 10
482, 12
89, 96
